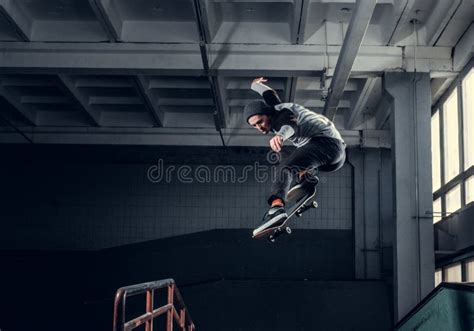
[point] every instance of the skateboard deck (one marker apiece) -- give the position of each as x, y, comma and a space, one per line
298, 208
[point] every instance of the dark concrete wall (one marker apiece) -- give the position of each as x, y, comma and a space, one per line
303, 282
89, 197
78, 222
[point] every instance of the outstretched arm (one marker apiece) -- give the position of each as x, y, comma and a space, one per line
269, 95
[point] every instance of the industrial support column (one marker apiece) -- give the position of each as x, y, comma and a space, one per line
413, 204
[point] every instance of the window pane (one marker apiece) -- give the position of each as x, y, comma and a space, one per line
470, 270
470, 189
468, 108
438, 277
451, 139
453, 199
435, 152
437, 210
453, 273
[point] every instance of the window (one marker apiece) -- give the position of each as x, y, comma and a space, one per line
451, 137
453, 199
470, 271
470, 189
435, 152
468, 119
453, 273
438, 277
452, 141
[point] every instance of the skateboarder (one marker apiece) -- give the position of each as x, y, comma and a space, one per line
319, 146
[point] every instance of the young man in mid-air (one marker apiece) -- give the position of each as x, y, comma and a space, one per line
319, 146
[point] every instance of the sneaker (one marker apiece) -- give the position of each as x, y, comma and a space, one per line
274, 217
300, 190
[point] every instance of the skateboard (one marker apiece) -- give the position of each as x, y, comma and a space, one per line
298, 208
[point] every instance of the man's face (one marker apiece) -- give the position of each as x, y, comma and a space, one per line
261, 123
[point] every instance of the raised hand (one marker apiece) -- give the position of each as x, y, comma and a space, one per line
276, 143
259, 80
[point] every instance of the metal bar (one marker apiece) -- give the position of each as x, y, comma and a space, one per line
169, 320
460, 107
355, 34
176, 316
183, 317
180, 301
149, 309
364, 94
147, 317
182, 321
118, 322
141, 288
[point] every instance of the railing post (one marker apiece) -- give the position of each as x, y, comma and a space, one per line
149, 309
182, 320
169, 324
175, 309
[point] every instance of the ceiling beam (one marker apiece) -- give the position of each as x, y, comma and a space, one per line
97, 58
464, 49
151, 99
439, 18
92, 113
383, 110
361, 101
60, 99
26, 111
309, 60
358, 25
202, 21
173, 136
404, 7
226, 60
311, 84
16, 18
114, 100
108, 18
299, 18
317, 103
439, 86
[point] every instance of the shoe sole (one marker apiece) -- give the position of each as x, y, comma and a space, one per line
269, 224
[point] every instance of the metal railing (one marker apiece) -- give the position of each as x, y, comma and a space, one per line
181, 315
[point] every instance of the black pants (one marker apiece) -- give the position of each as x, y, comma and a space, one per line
320, 153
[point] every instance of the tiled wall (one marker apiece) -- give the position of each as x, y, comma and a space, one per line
62, 205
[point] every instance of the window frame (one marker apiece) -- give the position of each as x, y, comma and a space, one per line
464, 174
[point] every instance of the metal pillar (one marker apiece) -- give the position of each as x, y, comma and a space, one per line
411, 157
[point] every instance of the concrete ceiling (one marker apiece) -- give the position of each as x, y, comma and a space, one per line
172, 71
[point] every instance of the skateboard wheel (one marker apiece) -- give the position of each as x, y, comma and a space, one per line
271, 239
298, 213
315, 204
288, 230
